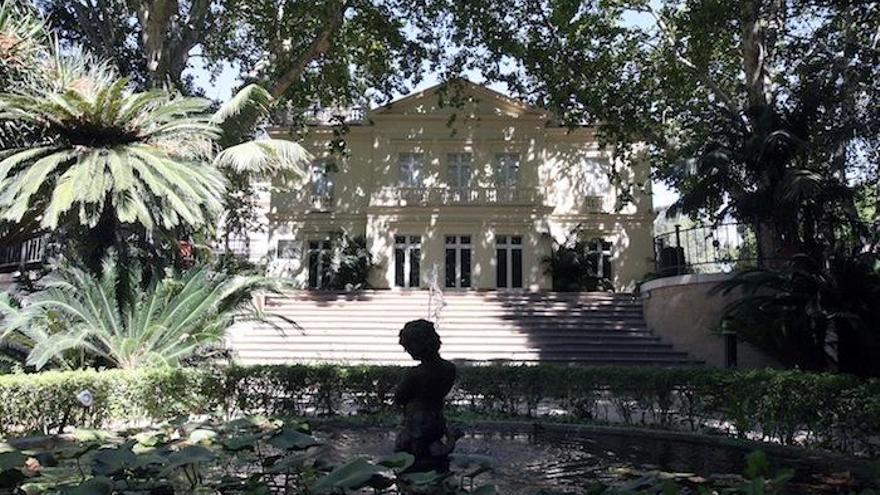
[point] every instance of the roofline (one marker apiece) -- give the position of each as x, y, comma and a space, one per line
461, 80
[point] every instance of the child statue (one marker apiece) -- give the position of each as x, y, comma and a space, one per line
421, 394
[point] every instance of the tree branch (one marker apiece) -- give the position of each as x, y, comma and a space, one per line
316, 48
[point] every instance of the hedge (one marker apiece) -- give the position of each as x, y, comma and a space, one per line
830, 411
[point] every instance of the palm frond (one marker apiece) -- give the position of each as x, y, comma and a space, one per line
264, 157
159, 325
251, 97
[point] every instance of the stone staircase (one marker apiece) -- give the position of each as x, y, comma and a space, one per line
578, 328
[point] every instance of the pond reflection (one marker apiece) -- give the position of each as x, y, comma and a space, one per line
570, 462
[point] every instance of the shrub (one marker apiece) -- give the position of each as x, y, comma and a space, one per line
825, 410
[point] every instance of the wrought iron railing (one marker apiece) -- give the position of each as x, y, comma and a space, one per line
720, 248
455, 196
26, 254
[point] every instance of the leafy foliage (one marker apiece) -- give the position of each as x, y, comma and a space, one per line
81, 319
574, 265
792, 311
836, 412
354, 267
136, 152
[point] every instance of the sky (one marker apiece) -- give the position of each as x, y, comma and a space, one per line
221, 90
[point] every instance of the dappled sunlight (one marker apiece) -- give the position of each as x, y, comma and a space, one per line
463, 161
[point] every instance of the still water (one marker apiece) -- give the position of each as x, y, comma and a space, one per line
530, 459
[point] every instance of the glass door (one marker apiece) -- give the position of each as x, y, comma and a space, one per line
458, 261
407, 260
508, 266
320, 258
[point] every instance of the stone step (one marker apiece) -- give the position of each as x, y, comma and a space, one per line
453, 345
524, 327
450, 336
465, 302
373, 358
468, 324
476, 311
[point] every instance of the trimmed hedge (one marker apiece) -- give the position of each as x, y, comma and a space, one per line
831, 411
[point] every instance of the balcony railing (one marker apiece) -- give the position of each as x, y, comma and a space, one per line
234, 245
323, 115
720, 248
28, 253
451, 196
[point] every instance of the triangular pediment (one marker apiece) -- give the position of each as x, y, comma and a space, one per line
462, 98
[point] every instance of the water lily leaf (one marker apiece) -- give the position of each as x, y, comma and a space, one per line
289, 438
147, 460
287, 463
427, 478
202, 436
485, 490
243, 442
150, 438
10, 478
472, 465
189, 455
109, 461
11, 460
399, 461
352, 475
86, 435
77, 450
93, 486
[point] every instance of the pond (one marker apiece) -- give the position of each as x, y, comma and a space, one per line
563, 459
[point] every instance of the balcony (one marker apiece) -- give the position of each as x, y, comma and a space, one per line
446, 196
24, 255
354, 115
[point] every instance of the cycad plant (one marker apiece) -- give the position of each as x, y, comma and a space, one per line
78, 319
110, 160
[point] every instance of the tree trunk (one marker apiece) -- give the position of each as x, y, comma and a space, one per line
754, 52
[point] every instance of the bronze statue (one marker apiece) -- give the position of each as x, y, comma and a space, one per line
421, 394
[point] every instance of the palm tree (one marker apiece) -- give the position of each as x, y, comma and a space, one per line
78, 319
110, 160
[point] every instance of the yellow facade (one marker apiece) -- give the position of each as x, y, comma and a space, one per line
483, 166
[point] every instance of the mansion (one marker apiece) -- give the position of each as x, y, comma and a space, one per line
468, 195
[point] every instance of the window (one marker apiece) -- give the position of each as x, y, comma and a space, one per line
287, 249
410, 169
320, 258
407, 259
506, 170
508, 257
323, 182
599, 256
459, 170
458, 261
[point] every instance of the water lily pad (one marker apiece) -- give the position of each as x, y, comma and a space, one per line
189, 455
150, 438
352, 475
427, 478
86, 435
242, 442
202, 436
289, 438
399, 461
472, 465
485, 490
93, 486
109, 461
11, 460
